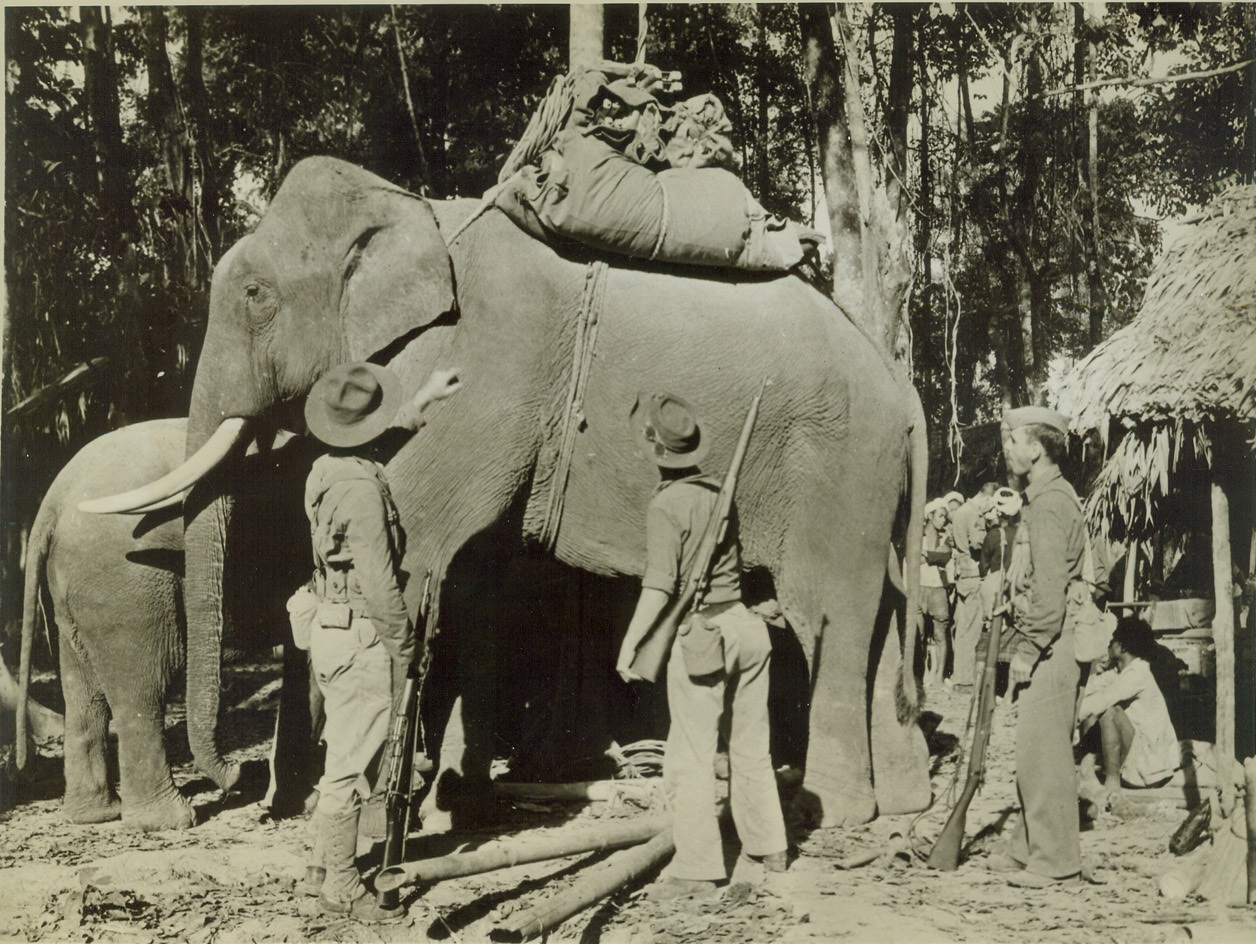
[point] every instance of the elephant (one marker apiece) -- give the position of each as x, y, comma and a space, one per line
110, 591
553, 345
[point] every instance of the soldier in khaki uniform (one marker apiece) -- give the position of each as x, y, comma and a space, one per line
1045, 847
675, 522
362, 640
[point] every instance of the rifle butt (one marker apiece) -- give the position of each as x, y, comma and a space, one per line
945, 853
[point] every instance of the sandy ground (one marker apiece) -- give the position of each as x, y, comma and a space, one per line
233, 877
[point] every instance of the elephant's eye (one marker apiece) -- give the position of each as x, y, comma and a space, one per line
260, 300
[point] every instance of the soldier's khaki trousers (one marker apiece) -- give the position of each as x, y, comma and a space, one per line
354, 673
737, 699
1046, 838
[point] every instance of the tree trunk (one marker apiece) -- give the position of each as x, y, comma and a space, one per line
828, 111
1249, 113
100, 86
898, 106
206, 185
1088, 170
762, 173
586, 43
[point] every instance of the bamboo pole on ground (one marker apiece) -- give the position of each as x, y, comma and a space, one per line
1223, 639
585, 790
600, 881
517, 851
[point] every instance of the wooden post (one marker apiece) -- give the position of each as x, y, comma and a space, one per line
1223, 640
1131, 570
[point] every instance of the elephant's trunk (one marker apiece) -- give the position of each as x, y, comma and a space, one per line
908, 690
205, 541
207, 521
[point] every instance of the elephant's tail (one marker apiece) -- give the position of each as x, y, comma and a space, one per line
908, 694
36, 559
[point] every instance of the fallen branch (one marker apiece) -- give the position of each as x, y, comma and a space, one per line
601, 881
517, 851
1146, 80
60, 388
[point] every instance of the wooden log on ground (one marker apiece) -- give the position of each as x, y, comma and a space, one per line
505, 853
599, 882
585, 790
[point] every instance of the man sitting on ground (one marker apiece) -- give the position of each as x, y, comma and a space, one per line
1139, 745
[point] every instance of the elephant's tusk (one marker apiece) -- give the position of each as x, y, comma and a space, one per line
175, 499
216, 448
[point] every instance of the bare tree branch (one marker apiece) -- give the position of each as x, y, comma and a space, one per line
1145, 80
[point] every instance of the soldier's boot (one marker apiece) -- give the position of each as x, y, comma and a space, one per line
343, 892
316, 869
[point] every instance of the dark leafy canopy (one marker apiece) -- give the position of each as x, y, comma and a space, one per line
214, 104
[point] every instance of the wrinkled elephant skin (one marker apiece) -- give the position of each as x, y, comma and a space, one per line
111, 592
344, 266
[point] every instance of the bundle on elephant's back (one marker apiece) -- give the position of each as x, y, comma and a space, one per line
589, 192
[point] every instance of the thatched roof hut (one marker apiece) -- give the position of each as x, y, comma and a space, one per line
1181, 376
1173, 394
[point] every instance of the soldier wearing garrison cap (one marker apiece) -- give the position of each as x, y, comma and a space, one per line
1045, 846
677, 518
361, 640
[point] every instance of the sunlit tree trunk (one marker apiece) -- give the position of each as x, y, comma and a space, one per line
100, 86
586, 43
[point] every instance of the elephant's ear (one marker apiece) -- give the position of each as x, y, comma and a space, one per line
398, 276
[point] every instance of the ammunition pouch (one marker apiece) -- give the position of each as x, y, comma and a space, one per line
333, 615
334, 612
702, 646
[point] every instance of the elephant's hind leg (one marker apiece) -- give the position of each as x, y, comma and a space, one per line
150, 799
89, 798
900, 756
135, 664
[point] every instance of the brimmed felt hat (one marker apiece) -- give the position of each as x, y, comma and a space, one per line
670, 428
1007, 501
1027, 415
353, 403
954, 496
934, 505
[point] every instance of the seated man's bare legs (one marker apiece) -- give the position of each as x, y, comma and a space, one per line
1116, 733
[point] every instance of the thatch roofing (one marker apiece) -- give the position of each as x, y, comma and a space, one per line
1190, 354
1177, 376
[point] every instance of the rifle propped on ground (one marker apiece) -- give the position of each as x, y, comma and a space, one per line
652, 654
398, 796
945, 854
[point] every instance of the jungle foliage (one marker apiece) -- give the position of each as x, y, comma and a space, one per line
142, 141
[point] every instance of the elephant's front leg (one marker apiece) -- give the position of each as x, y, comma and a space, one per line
461, 794
296, 762
89, 798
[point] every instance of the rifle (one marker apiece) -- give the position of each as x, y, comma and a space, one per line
652, 653
402, 744
945, 854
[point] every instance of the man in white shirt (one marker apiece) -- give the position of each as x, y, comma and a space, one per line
1139, 745
935, 608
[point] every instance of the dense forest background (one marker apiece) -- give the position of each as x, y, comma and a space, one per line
998, 175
